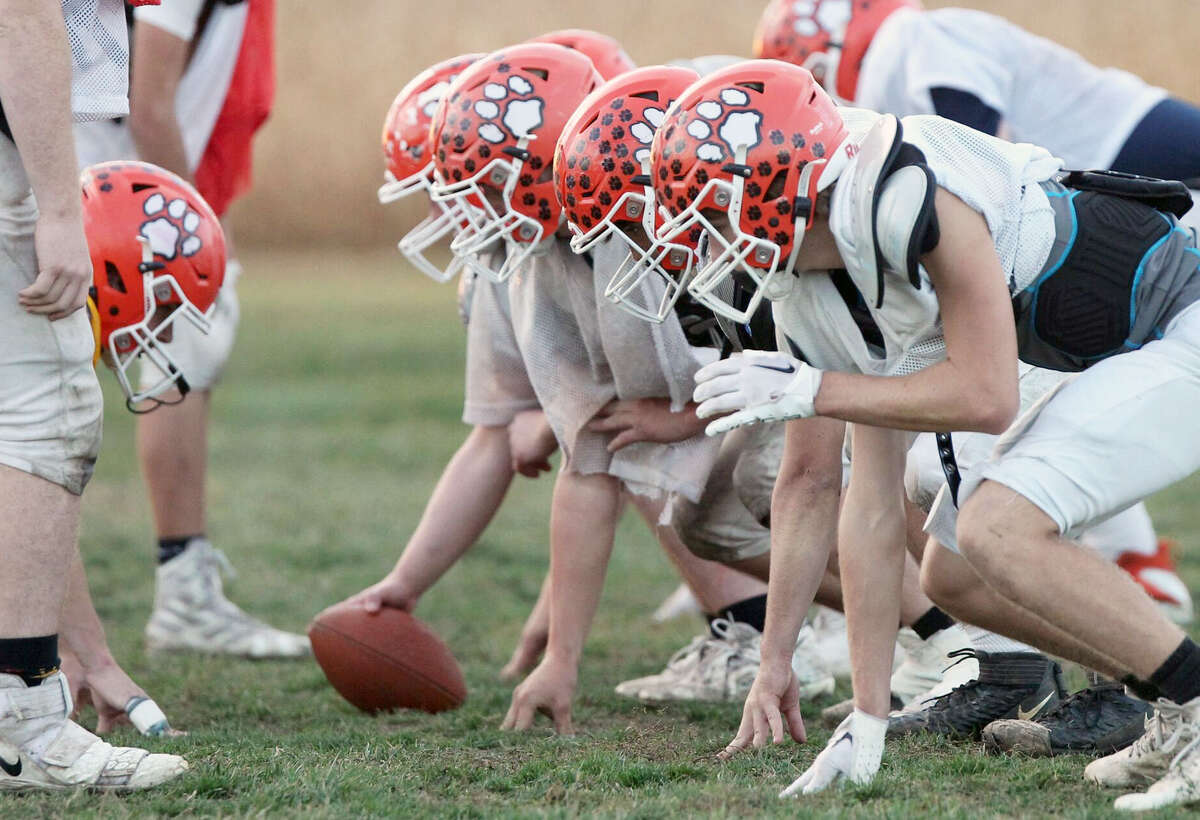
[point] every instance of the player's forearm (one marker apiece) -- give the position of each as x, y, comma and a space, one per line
583, 521
871, 553
159, 59
872, 558
804, 509
943, 397
35, 85
463, 503
80, 627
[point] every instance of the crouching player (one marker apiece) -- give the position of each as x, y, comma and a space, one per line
965, 253
976, 69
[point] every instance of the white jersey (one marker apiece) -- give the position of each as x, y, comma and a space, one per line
1046, 94
99, 58
997, 178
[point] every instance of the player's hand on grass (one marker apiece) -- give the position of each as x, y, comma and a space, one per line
531, 443
64, 268
634, 420
548, 691
772, 705
853, 754
390, 592
110, 691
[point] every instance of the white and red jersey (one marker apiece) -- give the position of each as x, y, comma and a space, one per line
224, 96
1046, 94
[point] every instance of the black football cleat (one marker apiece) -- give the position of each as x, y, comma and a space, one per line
1018, 685
1099, 720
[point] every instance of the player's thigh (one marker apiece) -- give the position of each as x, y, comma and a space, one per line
1119, 432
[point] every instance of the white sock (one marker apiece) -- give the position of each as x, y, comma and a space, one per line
986, 641
1129, 531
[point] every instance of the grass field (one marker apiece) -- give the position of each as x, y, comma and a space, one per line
337, 416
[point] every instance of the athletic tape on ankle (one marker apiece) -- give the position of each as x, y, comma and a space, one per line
146, 717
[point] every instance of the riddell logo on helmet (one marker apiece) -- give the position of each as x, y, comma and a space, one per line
509, 105
171, 231
735, 128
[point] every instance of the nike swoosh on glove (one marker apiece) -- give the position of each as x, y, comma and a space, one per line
755, 386
853, 753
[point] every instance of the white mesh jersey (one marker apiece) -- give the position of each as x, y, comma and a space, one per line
998, 179
1046, 94
99, 57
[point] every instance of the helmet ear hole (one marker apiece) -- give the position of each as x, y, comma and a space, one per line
113, 276
777, 186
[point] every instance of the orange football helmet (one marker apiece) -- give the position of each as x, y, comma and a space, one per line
409, 159
606, 54
158, 256
756, 142
828, 37
602, 179
494, 136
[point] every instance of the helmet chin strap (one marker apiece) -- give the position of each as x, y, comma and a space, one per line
802, 209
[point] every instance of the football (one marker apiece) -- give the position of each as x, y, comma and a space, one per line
389, 660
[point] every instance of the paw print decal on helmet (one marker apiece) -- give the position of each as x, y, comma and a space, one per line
830, 16
171, 231
643, 131
735, 128
520, 116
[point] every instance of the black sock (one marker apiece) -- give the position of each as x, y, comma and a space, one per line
1179, 676
169, 548
931, 622
1141, 689
752, 611
33, 659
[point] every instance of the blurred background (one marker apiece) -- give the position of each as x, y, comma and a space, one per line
318, 161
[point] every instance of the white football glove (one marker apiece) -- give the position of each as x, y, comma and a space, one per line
759, 386
853, 753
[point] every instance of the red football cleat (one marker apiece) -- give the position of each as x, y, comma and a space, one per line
1159, 577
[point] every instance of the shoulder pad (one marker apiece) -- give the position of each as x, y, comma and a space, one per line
891, 191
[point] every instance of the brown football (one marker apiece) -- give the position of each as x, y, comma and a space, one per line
385, 661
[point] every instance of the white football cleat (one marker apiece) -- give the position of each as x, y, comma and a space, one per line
710, 669
679, 667
928, 671
721, 669
1181, 783
40, 748
833, 646
808, 665
1169, 731
192, 614
679, 603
